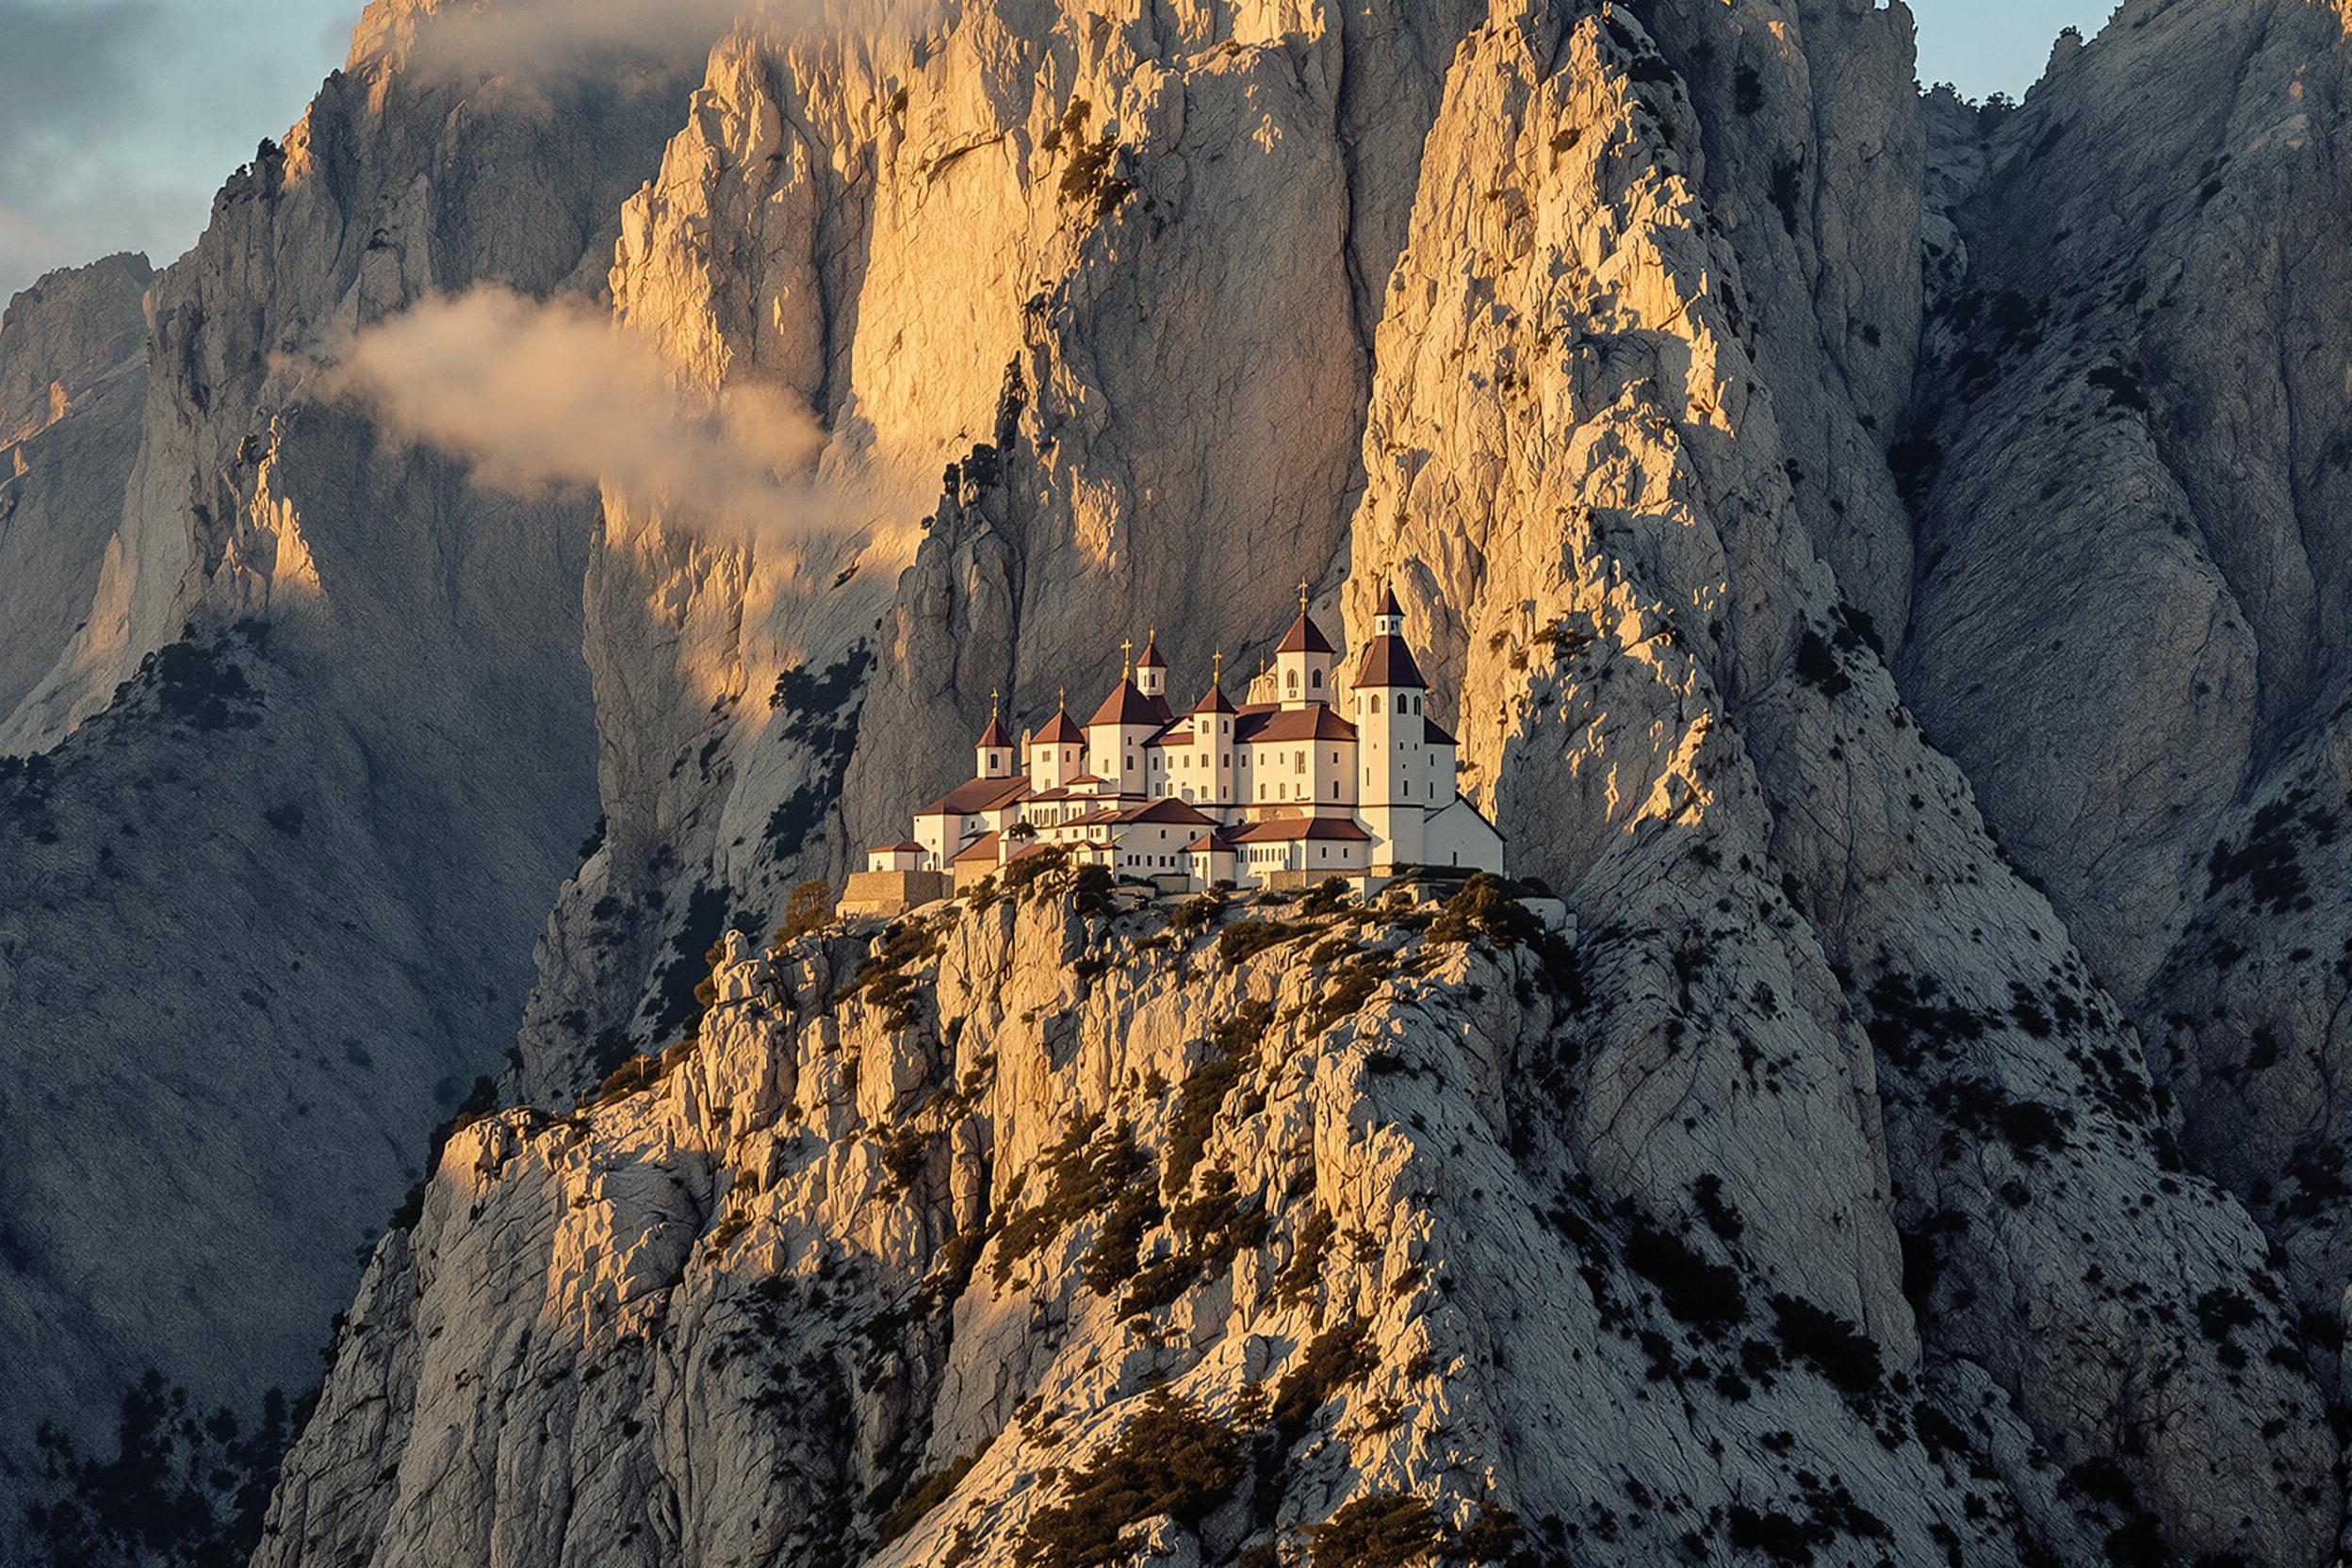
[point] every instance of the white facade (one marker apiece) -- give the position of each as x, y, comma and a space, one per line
1312, 777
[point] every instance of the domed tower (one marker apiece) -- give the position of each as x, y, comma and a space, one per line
1399, 786
1302, 665
1057, 752
1116, 734
1213, 739
1152, 670
995, 749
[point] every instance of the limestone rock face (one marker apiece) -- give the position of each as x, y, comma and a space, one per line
1930, 1147
73, 356
886, 1268
2130, 619
324, 714
1616, 420
1676, 714
1023, 247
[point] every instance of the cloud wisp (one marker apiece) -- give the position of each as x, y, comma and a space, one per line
543, 40
536, 396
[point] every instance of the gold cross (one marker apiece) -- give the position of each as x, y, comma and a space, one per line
1128, 647
1064, 699
996, 704
1217, 667
1302, 595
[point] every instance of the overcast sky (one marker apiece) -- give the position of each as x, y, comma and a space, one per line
119, 118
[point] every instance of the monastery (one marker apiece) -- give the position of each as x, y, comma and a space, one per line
1310, 778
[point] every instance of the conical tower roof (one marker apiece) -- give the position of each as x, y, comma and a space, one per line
1215, 700
1062, 731
1305, 637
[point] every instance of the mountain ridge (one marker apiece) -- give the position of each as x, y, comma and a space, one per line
1699, 385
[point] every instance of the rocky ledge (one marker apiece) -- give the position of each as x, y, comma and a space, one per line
1064, 1226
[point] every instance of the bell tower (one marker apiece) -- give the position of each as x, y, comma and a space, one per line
995, 749
1303, 664
1152, 670
1400, 784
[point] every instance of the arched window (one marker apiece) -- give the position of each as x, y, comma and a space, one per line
1376, 705
1316, 680
1294, 683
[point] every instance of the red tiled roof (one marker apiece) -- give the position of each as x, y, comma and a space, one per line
981, 848
1214, 701
1152, 659
1062, 731
994, 736
1388, 662
1127, 705
1170, 811
1388, 601
975, 795
909, 847
1317, 723
1213, 843
1437, 734
1305, 637
1286, 829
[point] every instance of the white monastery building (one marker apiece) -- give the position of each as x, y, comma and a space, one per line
1310, 778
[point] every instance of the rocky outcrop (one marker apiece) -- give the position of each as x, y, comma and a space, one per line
1682, 721
1023, 248
1627, 391
73, 356
2129, 617
1930, 1148
995, 1237
324, 715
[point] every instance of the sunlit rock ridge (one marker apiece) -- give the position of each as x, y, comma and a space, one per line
1888, 557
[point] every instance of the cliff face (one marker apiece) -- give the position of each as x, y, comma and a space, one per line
2130, 624
1024, 245
949, 1251
1930, 1147
1620, 383
326, 716
72, 353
